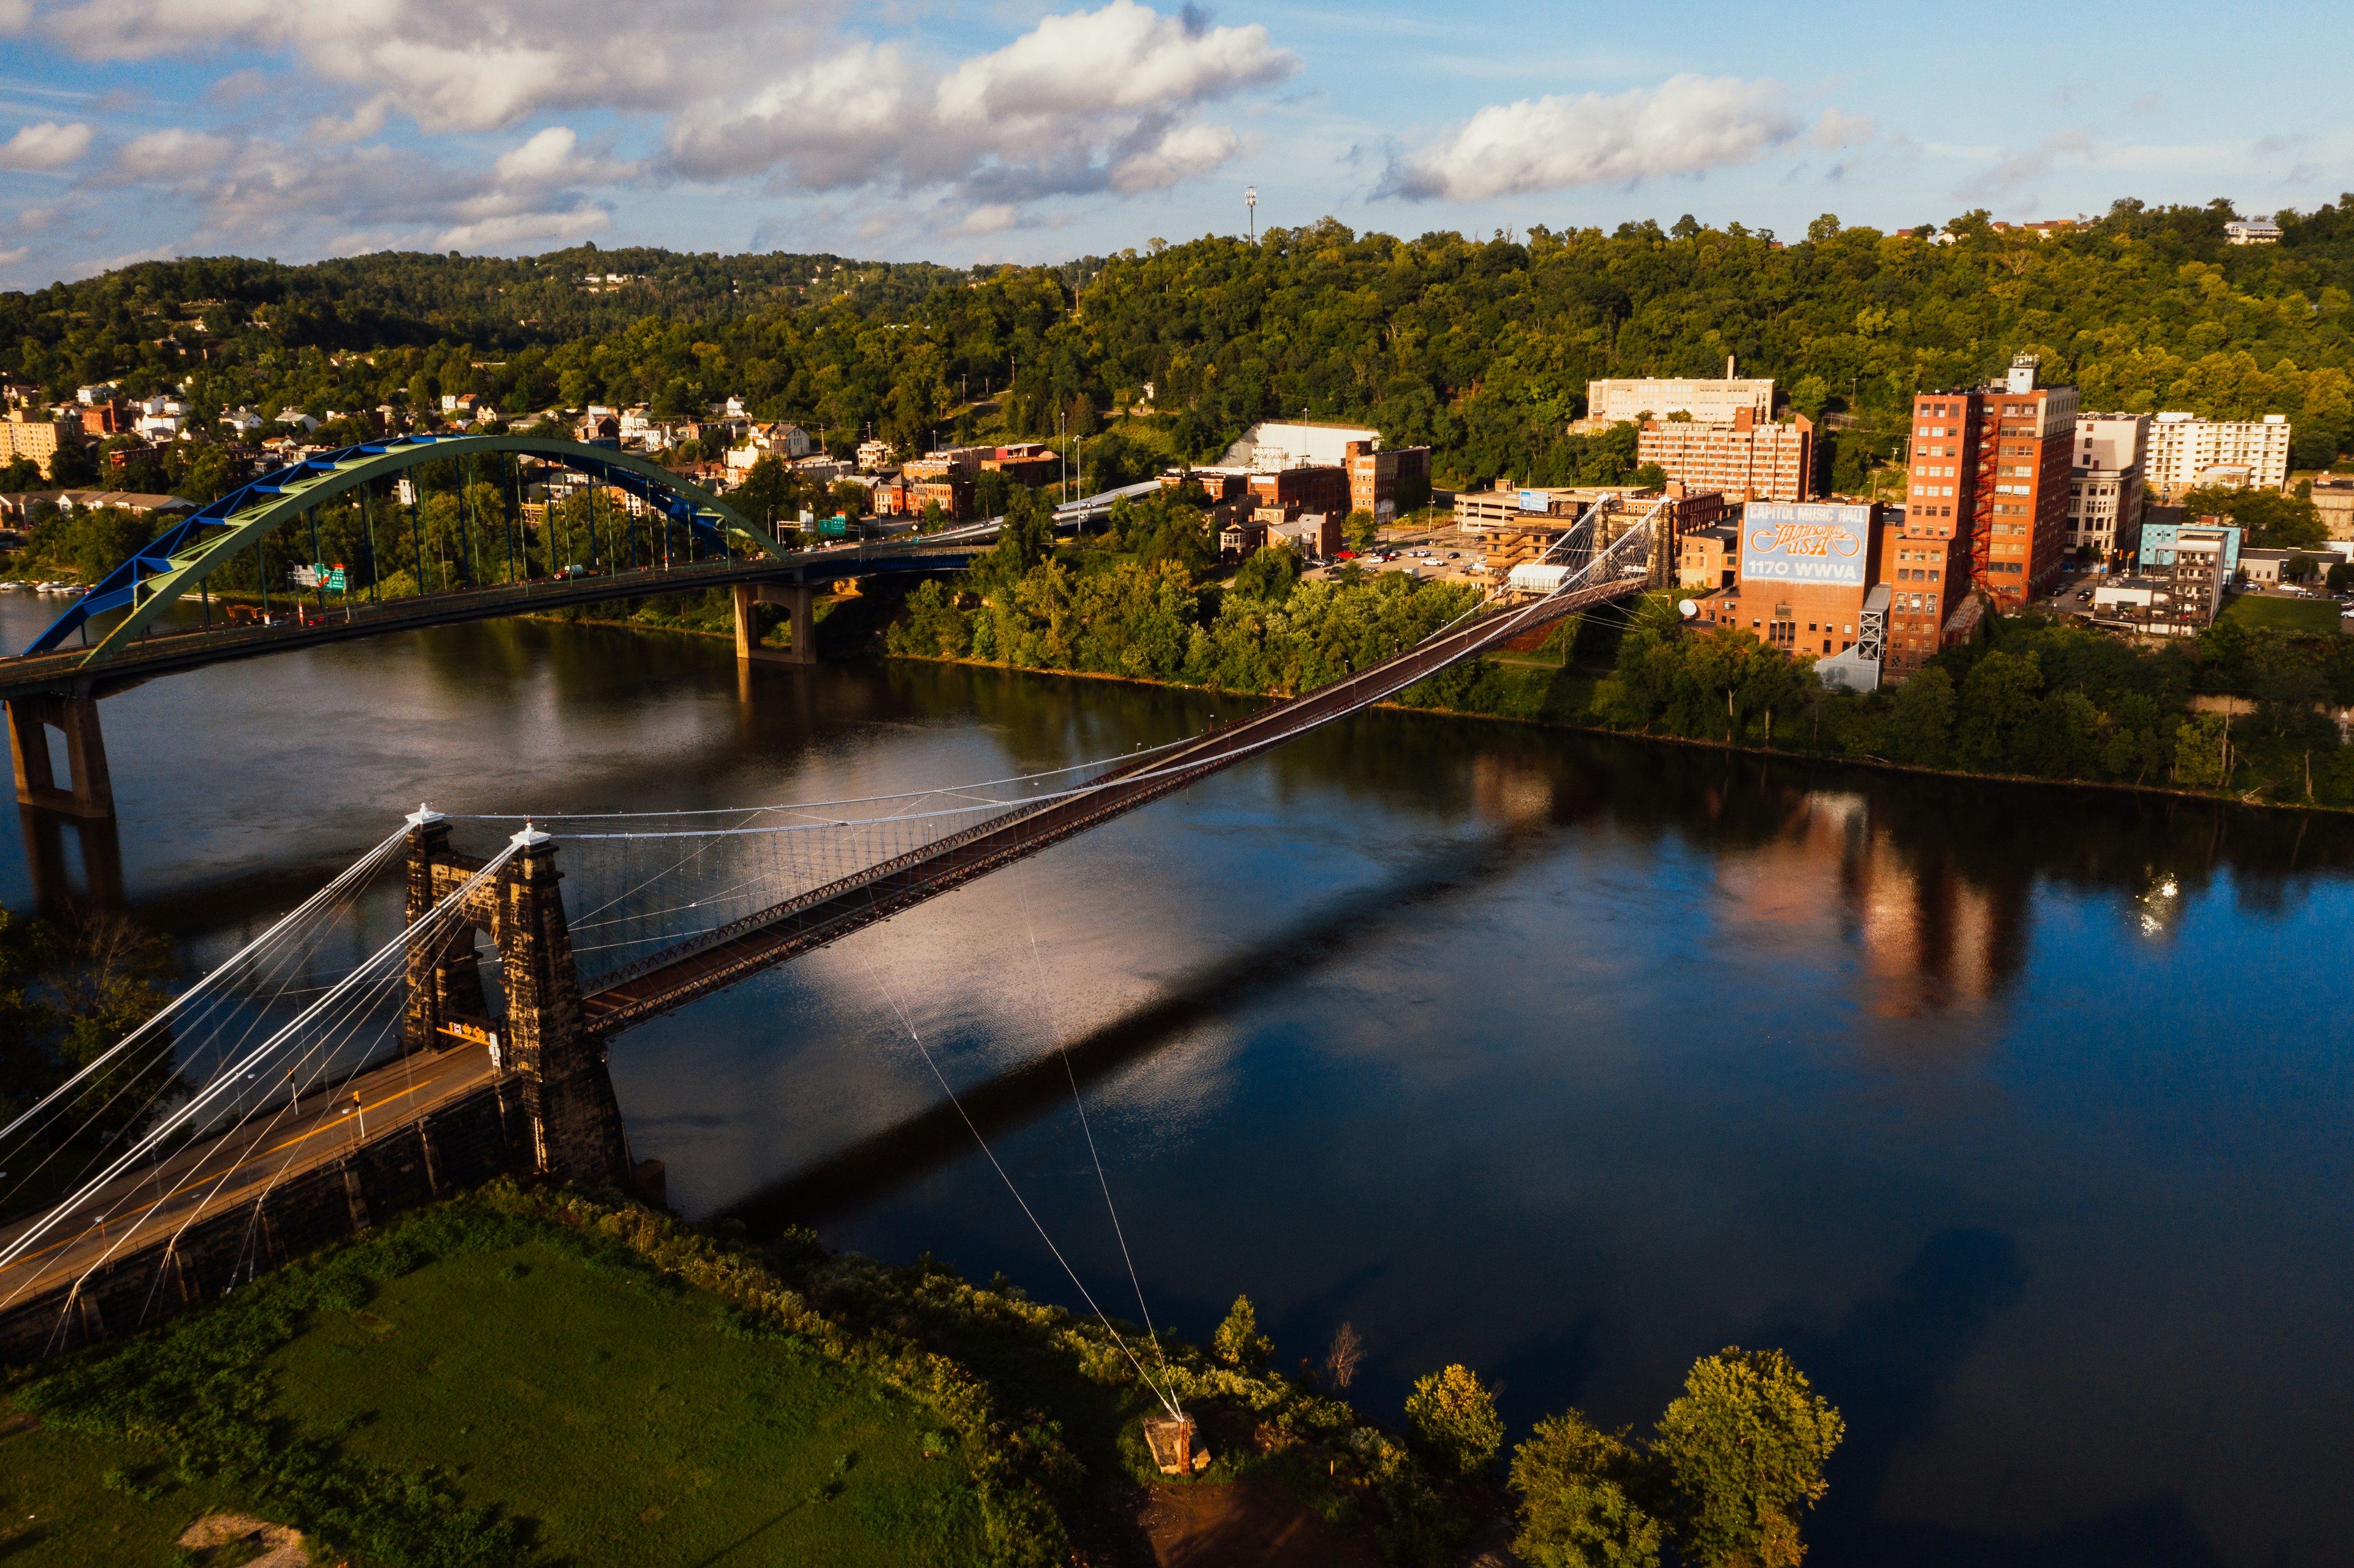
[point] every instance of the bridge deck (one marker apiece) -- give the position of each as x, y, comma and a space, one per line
303, 625
678, 976
215, 1174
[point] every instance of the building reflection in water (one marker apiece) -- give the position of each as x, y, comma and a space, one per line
1933, 938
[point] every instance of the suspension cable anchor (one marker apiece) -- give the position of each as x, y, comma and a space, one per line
531, 837
424, 816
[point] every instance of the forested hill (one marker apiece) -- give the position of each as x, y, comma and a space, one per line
1482, 349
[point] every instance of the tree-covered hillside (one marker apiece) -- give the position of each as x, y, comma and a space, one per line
1481, 349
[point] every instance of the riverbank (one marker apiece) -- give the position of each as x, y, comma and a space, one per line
1592, 679
391, 1397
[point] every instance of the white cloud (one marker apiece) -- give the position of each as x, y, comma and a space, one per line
262, 193
1838, 128
16, 16
177, 156
1685, 125
14, 254
1113, 99
47, 145
1092, 101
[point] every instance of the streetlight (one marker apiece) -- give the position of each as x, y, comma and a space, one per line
1250, 205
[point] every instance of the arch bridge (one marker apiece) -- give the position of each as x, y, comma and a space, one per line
690, 540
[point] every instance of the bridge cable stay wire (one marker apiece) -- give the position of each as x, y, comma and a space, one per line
377, 989
381, 987
348, 1007
1063, 1050
937, 1077
424, 927
212, 988
324, 1061
359, 871
817, 805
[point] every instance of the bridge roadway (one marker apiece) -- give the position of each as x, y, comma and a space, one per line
679, 975
212, 1175
167, 652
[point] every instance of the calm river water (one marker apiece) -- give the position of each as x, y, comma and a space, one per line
2018, 1117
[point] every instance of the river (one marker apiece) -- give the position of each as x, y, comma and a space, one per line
2019, 1115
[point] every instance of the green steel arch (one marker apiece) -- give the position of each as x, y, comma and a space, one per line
192, 551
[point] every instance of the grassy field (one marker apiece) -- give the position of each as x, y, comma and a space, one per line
2307, 615
518, 1402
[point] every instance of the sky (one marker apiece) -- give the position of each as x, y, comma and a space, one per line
965, 133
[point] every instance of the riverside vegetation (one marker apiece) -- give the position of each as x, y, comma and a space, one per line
2035, 698
398, 1398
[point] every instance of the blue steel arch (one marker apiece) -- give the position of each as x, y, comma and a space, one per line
184, 555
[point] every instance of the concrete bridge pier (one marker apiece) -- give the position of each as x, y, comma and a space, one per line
799, 601
88, 792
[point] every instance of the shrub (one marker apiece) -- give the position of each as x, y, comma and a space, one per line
1237, 1341
1455, 1416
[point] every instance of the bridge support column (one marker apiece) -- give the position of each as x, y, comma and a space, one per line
800, 606
575, 1122
90, 792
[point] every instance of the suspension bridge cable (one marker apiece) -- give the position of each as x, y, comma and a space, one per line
925, 1050
1063, 1050
359, 868
431, 921
345, 890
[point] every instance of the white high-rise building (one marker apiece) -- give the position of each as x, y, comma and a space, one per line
2184, 449
1704, 400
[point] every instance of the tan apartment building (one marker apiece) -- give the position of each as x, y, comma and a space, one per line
1748, 460
24, 435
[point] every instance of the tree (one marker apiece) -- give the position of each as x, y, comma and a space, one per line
1740, 1453
1359, 529
1998, 705
1341, 1361
2203, 753
1270, 574
1237, 1341
1455, 1416
1651, 476
1578, 1487
1921, 719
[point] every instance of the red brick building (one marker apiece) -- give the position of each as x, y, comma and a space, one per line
1387, 482
1994, 463
1925, 562
1312, 488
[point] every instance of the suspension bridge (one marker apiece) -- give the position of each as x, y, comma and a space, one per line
330, 1073
660, 534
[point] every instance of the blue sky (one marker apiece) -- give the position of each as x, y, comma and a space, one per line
963, 132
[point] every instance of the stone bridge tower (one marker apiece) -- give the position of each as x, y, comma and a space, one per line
539, 1044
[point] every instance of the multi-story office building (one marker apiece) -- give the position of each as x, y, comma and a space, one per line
2184, 449
1993, 463
2105, 488
1748, 460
